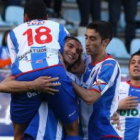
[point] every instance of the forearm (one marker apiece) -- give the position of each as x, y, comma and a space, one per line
87, 95
15, 86
44, 84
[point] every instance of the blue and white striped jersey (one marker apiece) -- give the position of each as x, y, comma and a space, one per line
35, 45
130, 119
102, 77
45, 125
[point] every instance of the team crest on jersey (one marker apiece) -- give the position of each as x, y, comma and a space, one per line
98, 82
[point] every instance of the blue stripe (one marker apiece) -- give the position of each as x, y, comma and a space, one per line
38, 59
132, 128
62, 36
14, 67
32, 130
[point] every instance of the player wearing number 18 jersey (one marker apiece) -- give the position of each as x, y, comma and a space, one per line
34, 50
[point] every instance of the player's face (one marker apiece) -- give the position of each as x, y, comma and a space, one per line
134, 67
72, 50
94, 44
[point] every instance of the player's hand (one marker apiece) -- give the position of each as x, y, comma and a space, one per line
129, 102
46, 84
116, 120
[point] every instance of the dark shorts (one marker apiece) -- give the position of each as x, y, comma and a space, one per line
27, 137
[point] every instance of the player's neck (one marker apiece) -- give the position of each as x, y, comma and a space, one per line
98, 58
135, 82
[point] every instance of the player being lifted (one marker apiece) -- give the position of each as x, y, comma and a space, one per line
34, 50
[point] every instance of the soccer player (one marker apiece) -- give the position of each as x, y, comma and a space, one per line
129, 101
44, 125
49, 128
99, 85
53, 128
34, 48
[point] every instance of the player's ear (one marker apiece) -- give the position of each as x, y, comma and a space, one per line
106, 42
26, 18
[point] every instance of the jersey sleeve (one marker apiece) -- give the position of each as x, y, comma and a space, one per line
63, 33
12, 44
107, 74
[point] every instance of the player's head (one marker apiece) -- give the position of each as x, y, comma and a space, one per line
104, 29
98, 35
35, 9
72, 52
134, 66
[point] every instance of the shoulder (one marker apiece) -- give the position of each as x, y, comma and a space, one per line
123, 86
111, 63
19, 27
73, 77
53, 23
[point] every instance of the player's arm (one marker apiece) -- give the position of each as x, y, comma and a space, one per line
116, 120
44, 84
89, 96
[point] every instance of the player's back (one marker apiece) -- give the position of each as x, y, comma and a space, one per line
35, 44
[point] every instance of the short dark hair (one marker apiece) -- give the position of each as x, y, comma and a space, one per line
35, 9
136, 53
104, 28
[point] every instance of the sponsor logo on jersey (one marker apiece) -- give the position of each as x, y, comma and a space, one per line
129, 113
32, 94
108, 64
72, 114
136, 90
122, 92
32, 50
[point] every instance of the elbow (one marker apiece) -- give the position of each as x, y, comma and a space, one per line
91, 97
89, 100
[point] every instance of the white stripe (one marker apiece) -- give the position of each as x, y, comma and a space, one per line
43, 113
6, 138
59, 131
139, 134
122, 124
